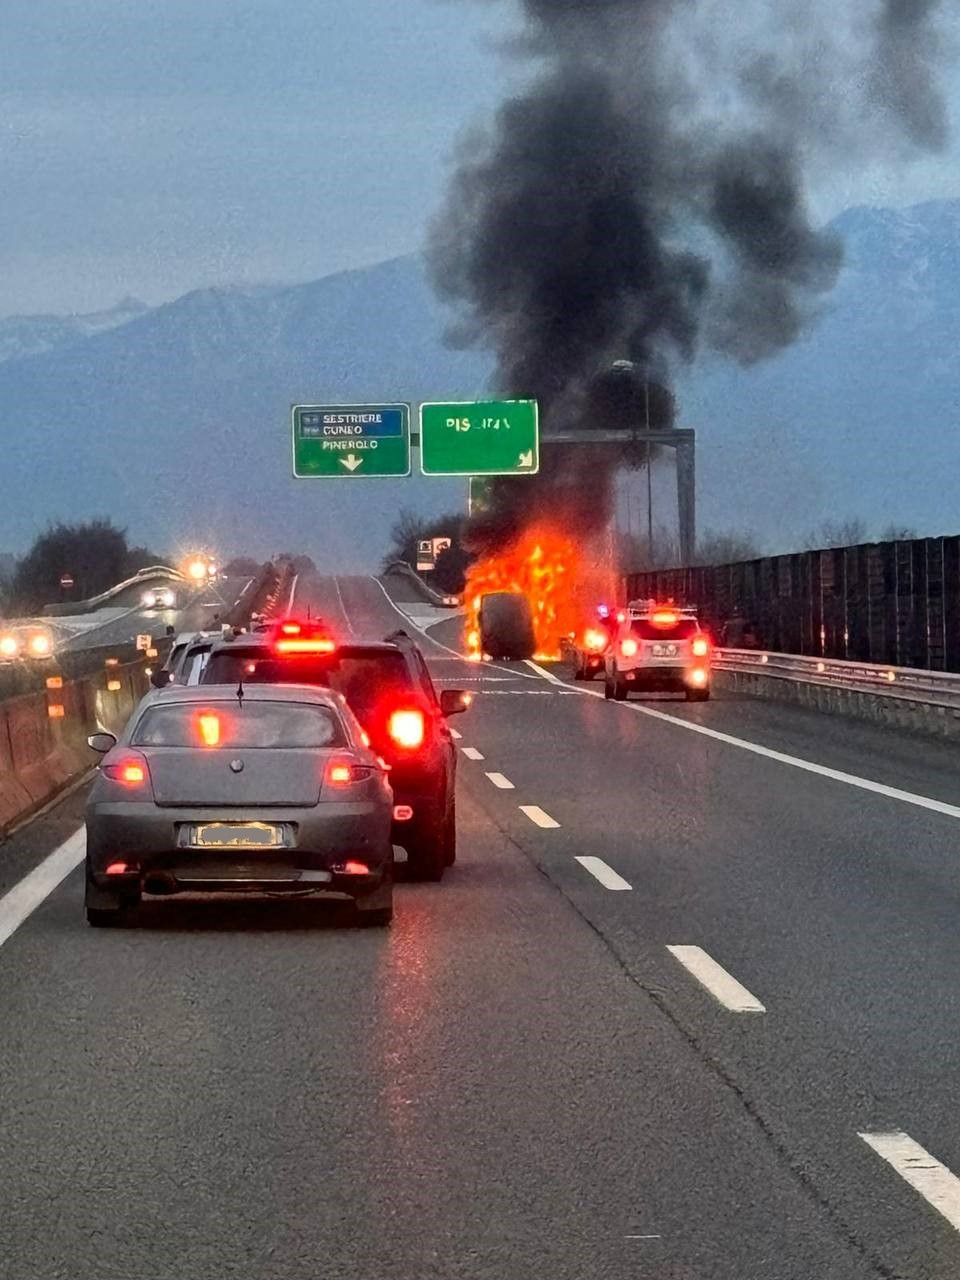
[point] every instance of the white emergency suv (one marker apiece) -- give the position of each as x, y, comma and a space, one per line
659, 647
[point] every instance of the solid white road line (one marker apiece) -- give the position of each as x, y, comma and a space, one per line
472, 753
933, 1180
456, 734
606, 875
721, 985
424, 631
293, 592
343, 607
500, 781
781, 757
538, 817
542, 671
33, 889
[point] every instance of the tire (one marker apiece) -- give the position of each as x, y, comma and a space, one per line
607, 687
378, 916
619, 688
119, 918
697, 695
426, 850
506, 626
450, 835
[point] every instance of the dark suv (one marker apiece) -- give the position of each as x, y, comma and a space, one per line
389, 689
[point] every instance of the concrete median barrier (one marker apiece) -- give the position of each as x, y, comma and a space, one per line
43, 735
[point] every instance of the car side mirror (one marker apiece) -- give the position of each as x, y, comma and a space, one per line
453, 701
101, 743
160, 679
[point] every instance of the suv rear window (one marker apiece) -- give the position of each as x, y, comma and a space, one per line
682, 629
227, 724
365, 678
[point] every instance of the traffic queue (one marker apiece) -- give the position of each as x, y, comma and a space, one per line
278, 761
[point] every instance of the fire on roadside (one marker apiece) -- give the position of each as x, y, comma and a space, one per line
543, 565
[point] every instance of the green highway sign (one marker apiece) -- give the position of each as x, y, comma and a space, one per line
351, 440
476, 438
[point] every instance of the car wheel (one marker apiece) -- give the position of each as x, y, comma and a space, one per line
450, 836
426, 850
620, 688
101, 918
379, 919
607, 687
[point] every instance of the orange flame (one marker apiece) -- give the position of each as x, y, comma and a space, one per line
542, 565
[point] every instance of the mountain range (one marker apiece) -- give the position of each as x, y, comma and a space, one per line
175, 420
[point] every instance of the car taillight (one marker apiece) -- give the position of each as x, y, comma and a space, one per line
594, 639
698, 677
290, 628
700, 647
132, 771
628, 647
407, 729
343, 773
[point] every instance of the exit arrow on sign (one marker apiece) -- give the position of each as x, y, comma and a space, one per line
525, 459
351, 462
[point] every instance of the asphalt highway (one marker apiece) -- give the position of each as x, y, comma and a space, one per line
684, 1009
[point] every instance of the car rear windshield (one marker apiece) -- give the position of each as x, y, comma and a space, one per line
682, 629
366, 678
229, 725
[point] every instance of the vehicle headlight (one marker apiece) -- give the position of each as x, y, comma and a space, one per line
8, 647
40, 646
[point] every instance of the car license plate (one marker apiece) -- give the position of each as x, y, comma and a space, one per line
664, 650
237, 835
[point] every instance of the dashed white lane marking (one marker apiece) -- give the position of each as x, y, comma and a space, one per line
24, 898
606, 875
472, 753
343, 607
538, 817
456, 734
500, 781
721, 985
796, 762
938, 1186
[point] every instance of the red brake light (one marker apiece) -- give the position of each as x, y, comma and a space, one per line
700, 646
628, 647
353, 867
407, 729
663, 617
290, 628
131, 772
320, 644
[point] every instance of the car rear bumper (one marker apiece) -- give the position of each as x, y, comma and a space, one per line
155, 846
665, 678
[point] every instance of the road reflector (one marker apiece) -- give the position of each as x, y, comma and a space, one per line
56, 711
112, 662
114, 686
152, 653
54, 682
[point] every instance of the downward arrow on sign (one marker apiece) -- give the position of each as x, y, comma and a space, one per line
525, 459
351, 462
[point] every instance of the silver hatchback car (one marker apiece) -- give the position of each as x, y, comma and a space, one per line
220, 789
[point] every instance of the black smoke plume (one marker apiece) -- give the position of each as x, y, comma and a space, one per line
646, 196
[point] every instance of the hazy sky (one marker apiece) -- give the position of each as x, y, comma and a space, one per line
153, 146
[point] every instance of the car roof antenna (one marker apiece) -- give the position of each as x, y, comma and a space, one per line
240, 694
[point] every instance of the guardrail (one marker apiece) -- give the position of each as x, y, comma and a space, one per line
151, 574
936, 687
432, 597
